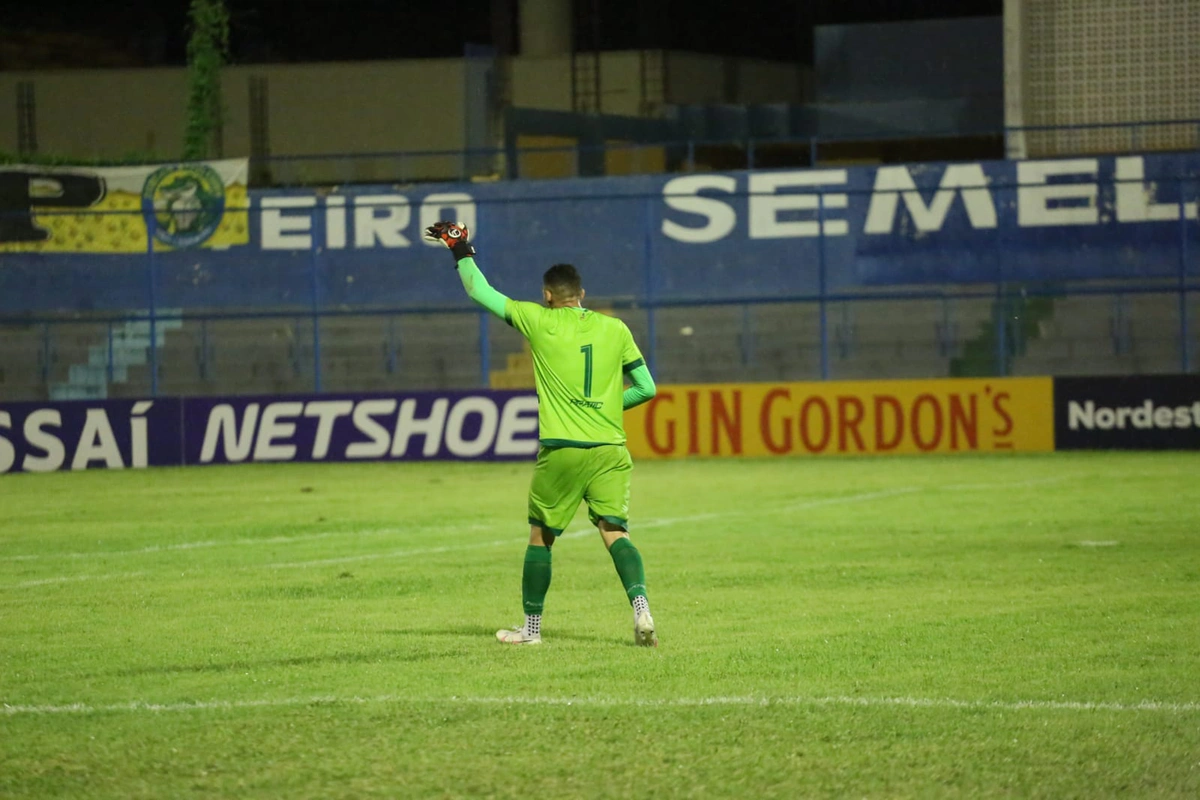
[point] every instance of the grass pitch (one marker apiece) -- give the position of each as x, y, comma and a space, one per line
991, 626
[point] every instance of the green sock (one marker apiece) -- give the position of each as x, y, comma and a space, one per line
628, 562
535, 580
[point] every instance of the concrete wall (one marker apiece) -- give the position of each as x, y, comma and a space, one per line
760, 81
1082, 62
542, 82
353, 107
697, 79
545, 82
369, 107
694, 78
99, 113
313, 109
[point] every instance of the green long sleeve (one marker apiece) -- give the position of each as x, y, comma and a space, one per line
479, 290
642, 389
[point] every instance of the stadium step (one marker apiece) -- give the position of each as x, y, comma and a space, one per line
518, 371
122, 347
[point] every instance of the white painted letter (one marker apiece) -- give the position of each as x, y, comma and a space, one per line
892, 183
486, 409
97, 442
291, 232
682, 194
1034, 194
271, 428
44, 441
222, 425
326, 412
408, 426
8, 454
1081, 415
335, 222
368, 228
1136, 198
378, 444
519, 416
765, 204
137, 434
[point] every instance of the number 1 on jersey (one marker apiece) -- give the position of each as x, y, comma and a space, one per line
587, 369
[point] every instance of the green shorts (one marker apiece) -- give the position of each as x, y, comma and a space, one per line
565, 475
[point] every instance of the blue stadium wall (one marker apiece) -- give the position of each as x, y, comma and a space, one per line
667, 238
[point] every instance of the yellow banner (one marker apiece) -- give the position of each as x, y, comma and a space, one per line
845, 418
115, 209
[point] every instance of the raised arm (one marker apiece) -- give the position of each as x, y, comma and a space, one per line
478, 288
455, 237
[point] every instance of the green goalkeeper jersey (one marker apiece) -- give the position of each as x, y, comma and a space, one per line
580, 359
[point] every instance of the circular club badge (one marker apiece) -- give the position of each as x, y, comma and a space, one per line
188, 202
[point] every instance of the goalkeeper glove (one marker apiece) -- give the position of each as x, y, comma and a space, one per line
454, 236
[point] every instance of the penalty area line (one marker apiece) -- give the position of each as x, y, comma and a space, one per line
945, 703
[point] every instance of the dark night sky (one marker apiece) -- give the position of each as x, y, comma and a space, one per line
154, 31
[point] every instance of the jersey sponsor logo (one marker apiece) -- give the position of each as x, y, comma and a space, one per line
469, 427
587, 403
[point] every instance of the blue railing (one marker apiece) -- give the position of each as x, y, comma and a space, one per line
1115, 297
978, 331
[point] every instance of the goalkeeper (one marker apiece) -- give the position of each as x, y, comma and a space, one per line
580, 359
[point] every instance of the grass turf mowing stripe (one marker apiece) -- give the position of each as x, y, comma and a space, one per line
407, 552
652, 523
7, 709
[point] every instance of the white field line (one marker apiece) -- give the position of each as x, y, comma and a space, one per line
302, 537
72, 579
138, 706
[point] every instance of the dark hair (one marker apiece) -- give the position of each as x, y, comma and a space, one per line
563, 281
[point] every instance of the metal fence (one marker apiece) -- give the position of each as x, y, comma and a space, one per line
998, 330
1114, 298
